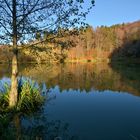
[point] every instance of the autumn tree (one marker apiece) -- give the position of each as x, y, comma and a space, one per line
20, 20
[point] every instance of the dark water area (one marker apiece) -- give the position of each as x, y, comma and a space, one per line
85, 101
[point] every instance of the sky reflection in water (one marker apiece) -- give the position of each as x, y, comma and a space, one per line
97, 101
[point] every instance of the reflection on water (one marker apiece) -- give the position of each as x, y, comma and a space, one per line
37, 127
99, 115
87, 76
91, 102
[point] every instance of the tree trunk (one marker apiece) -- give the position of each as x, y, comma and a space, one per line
13, 97
17, 123
14, 81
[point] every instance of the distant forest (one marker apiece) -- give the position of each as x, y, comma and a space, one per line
85, 44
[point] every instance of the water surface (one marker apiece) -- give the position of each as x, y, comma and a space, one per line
87, 101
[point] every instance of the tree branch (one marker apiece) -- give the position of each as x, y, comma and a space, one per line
29, 12
5, 28
5, 10
8, 5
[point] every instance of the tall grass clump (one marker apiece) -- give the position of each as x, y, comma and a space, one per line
29, 97
4, 98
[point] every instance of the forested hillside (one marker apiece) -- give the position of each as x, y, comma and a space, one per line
84, 44
105, 43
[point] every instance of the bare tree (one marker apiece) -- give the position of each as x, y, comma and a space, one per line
21, 19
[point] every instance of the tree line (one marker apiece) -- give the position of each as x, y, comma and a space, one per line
83, 44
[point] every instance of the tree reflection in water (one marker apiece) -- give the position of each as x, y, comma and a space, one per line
33, 126
87, 76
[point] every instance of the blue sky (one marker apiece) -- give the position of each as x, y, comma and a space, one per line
109, 12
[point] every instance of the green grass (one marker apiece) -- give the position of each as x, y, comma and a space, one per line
29, 98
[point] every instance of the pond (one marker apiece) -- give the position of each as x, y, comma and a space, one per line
85, 102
